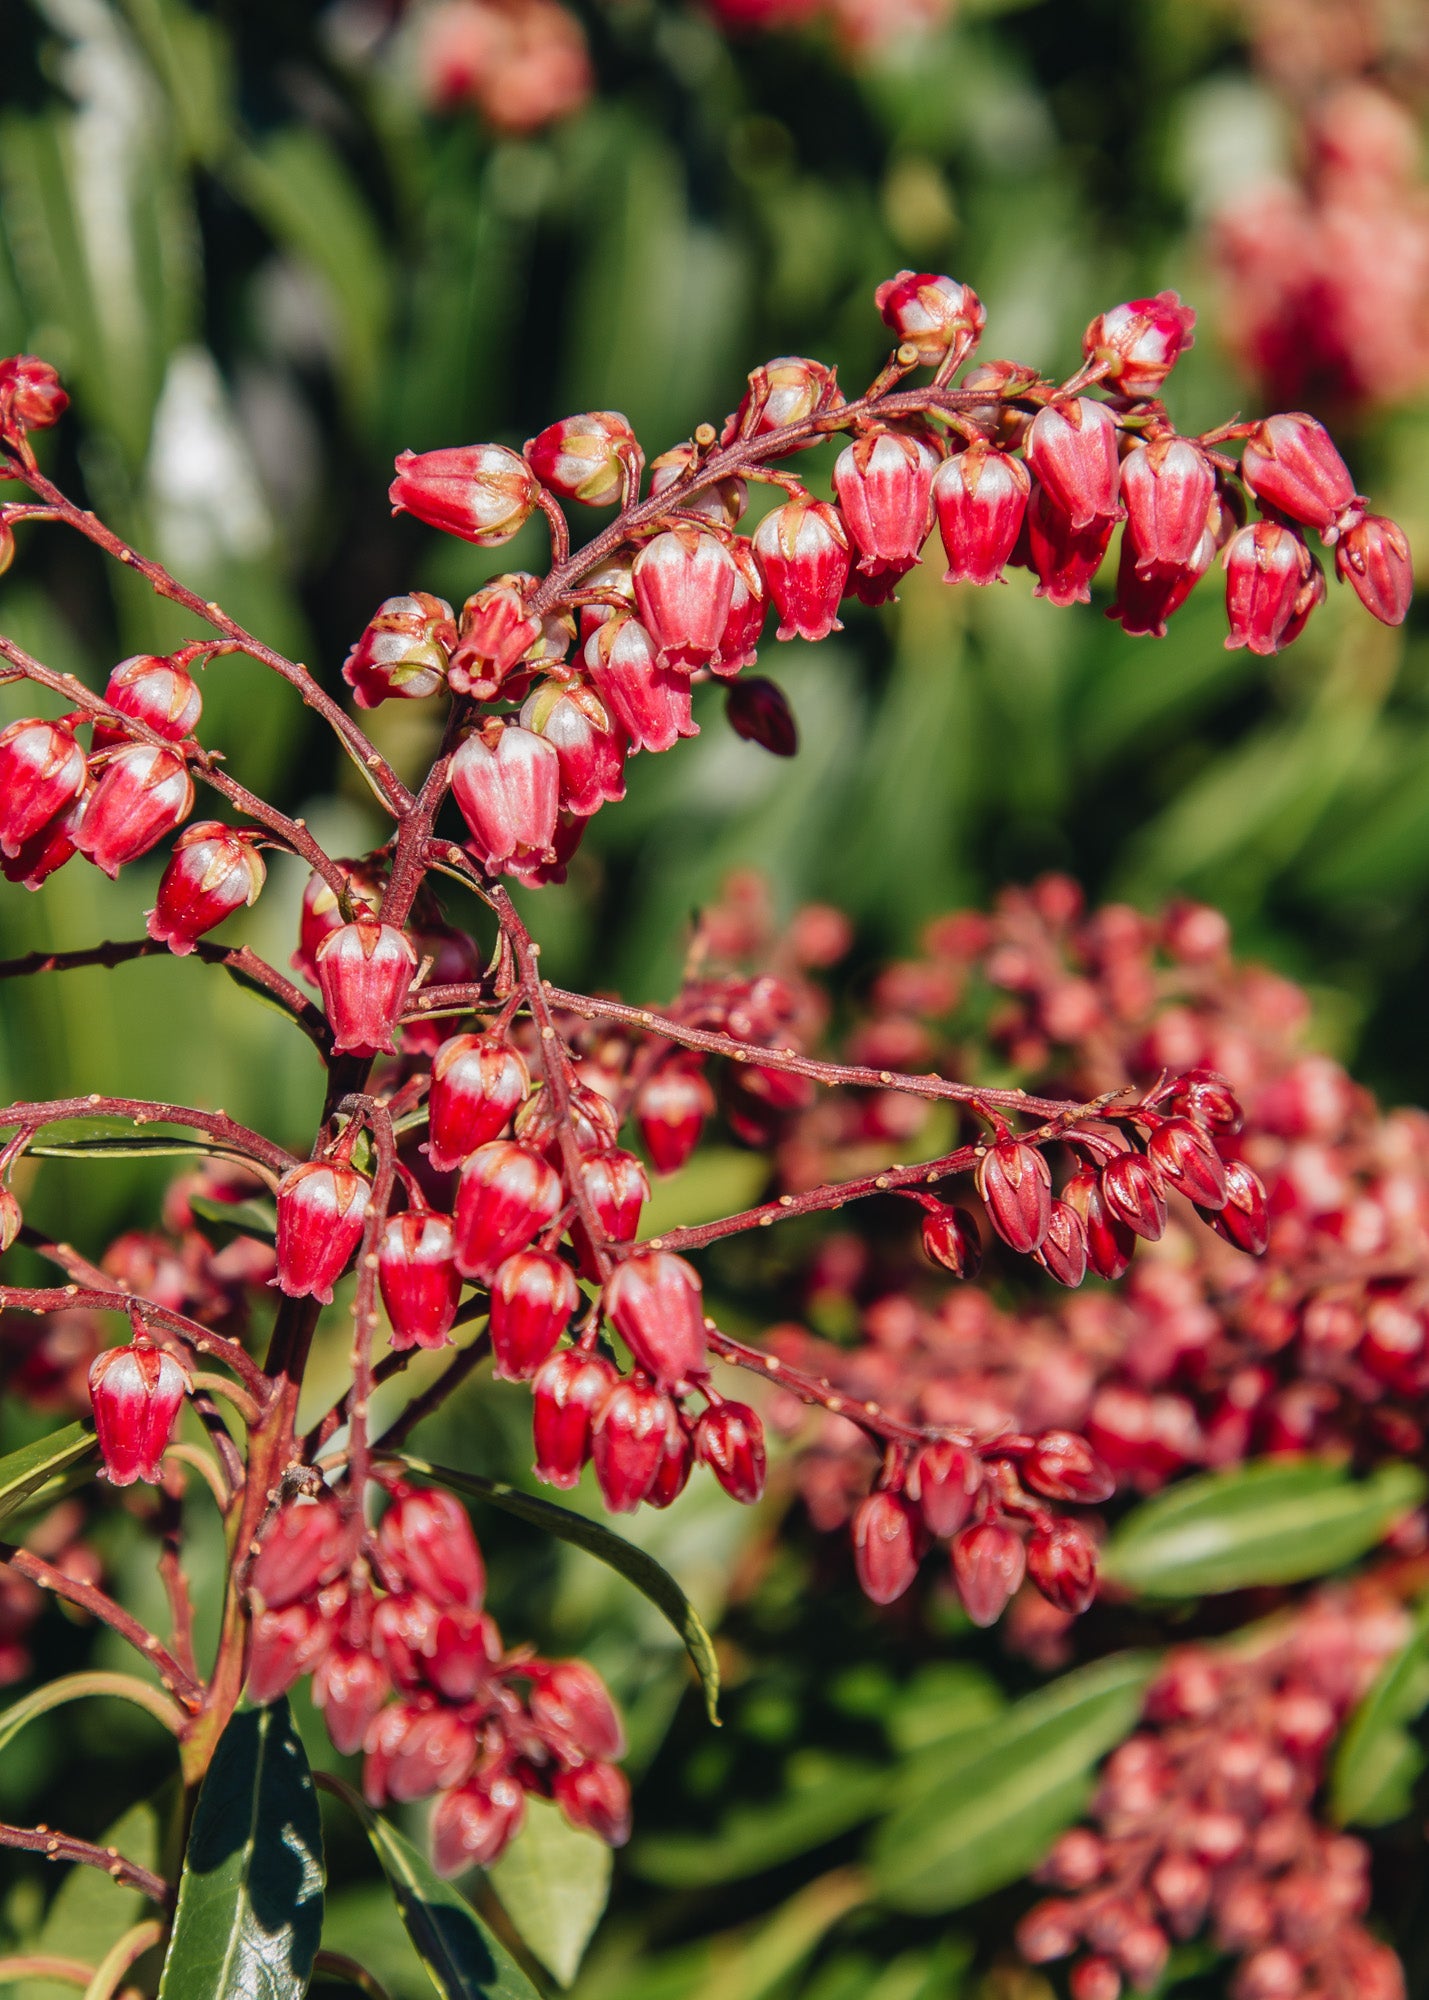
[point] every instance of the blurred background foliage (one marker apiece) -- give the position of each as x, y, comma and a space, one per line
268, 250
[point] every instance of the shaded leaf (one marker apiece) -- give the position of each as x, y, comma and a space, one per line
244, 1218
74, 1687
756, 1837
554, 1883
1377, 1761
25, 1472
464, 1959
90, 1910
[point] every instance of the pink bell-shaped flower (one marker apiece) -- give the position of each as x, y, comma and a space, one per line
656, 1304
322, 1205
576, 723
981, 497
157, 692
42, 772
478, 1084
136, 1392
143, 793
507, 782
1072, 448
404, 651
684, 585
482, 492
533, 1294
364, 970
213, 871
804, 553
650, 702
937, 317
568, 1390
506, 1196
419, 1280
884, 483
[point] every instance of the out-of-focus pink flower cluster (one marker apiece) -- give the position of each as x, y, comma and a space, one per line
1302, 45
863, 27
1205, 1822
521, 64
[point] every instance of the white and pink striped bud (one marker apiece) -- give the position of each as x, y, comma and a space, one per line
804, 554
670, 1111
322, 1205
1168, 488
143, 794
481, 492
155, 691
497, 632
426, 1543
506, 1196
1290, 462
478, 1084
617, 1188
656, 1304
684, 586
136, 1392
403, 652
989, 1562
780, 393
885, 1546
507, 782
364, 970
650, 703
417, 1273
981, 497
729, 1439
1141, 341
1072, 448
941, 319
42, 773
214, 870
533, 1295
576, 723
593, 458
884, 482
473, 1825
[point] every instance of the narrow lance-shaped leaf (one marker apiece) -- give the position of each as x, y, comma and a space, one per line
1378, 1760
74, 1687
24, 1472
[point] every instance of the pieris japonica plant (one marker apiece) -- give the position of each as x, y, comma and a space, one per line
487, 1140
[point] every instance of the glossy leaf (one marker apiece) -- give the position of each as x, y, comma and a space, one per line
250, 1904
25, 1472
986, 1808
642, 1570
756, 1837
1377, 1760
1271, 1522
554, 1883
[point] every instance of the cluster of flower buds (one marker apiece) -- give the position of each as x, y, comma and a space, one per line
1204, 1824
409, 1668
863, 28
519, 64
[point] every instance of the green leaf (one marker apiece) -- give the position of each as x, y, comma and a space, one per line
755, 1837
981, 1812
90, 1910
27, 1471
155, 1146
464, 1959
74, 1687
250, 1905
633, 1564
1378, 1760
244, 1218
554, 1883
1271, 1522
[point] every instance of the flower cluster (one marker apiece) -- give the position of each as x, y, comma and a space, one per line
862, 27
520, 64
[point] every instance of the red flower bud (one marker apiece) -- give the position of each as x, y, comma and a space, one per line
729, 1439
1062, 1562
426, 1542
1048, 1930
590, 1119
364, 970
616, 1186
1188, 1162
404, 1636
136, 1392
1063, 1466
533, 1295
595, 1798
950, 1238
1072, 449
1142, 341
42, 772
1244, 1220
1168, 488
944, 1479
474, 1825
633, 1429
213, 871
885, 1546
31, 398
575, 722
1016, 1189
478, 1084
1373, 558
739, 641
565, 1394
672, 1475
37, 858
1064, 558
421, 1286
1134, 1195
463, 1647
321, 911
322, 1206
1204, 1096
350, 1686
498, 632
285, 1645
989, 1562
506, 1196
684, 586
414, 1749
981, 498
759, 711
403, 652
939, 317
804, 553
651, 703
574, 1712
1290, 462
143, 794
1148, 596
591, 458
884, 483
156, 692
656, 1304
780, 393
307, 1545
11, 1218
725, 501
481, 492
1095, 1978
1062, 1252
670, 1110
509, 790
1268, 568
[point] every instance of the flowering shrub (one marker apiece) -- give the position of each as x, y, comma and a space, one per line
471, 1131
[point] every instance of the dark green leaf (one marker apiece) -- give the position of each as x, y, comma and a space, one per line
250, 1905
464, 1959
1378, 1760
985, 1809
554, 1883
26, 1471
1272, 1522
141, 1146
244, 1218
638, 1568
754, 1838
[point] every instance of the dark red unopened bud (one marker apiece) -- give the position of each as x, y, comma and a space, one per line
884, 485
481, 492
1134, 1195
1063, 1466
1016, 1189
364, 970
1244, 1220
1141, 341
137, 1392
780, 393
1065, 559
31, 398
1290, 462
1148, 597
533, 1295
143, 793
1168, 487
478, 1085
950, 1238
321, 911
670, 1110
506, 1196
804, 553
1095, 1978
739, 642
426, 1542
1072, 448
404, 651
42, 772
684, 586
1204, 1096
404, 1636
1267, 568
508, 789
725, 501
475, 1824
307, 1546
576, 723
421, 1286
157, 692
322, 1206
589, 1118
1062, 1252
1062, 1562
629, 1437
759, 711
415, 1748
981, 497
11, 1218
591, 458
617, 1188
885, 1546
651, 703
677, 1461
940, 318
285, 1645
989, 1562
1188, 1162
36, 859
463, 1647
1049, 1930
944, 1479
572, 1708
656, 1304
497, 632
1373, 558
729, 1439
595, 1798
565, 1395
350, 1686
213, 871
